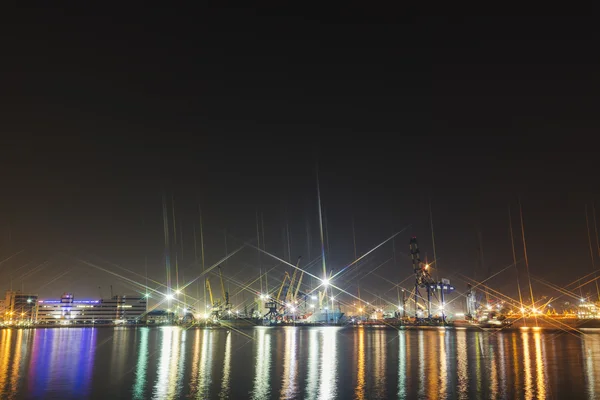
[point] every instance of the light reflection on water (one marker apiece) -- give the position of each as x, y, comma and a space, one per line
262, 376
293, 362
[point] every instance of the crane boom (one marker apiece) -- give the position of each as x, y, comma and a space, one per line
224, 294
209, 292
298, 287
286, 276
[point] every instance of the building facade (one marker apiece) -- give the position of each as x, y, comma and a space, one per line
68, 310
18, 308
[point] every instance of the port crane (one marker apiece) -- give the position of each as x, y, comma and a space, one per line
219, 306
424, 280
287, 294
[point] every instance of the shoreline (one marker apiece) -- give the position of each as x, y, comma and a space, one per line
302, 326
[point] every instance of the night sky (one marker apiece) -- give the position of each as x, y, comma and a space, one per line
104, 111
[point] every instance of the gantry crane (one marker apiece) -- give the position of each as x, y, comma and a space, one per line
424, 280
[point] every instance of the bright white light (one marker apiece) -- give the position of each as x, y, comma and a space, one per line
288, 305
177, 292
185, 310
400, 308
293, 309
522, 309
426, 266
313, 297
325, 282
582, 300
312, 306
326, 308
489, 307
459, 314
205, 316
229, 312
169, 297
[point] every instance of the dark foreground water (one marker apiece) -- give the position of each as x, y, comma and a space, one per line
288, 363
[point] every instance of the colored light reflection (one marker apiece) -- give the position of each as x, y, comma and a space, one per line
328, 379
540, 374
202, 391
402, 360
225, 382
290, 365
141, 368
5, 352
62, 358
359, 392
167, 384
528, 384
379, 369
262, 386
313, 364
462, 364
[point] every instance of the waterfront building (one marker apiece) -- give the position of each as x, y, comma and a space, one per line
68, 310
18, 308
159, 317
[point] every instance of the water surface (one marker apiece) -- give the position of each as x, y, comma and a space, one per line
296, 363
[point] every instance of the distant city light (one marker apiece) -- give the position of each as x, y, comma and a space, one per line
205, 316
177, 292
185, 310
293, 309
170, 297
313, 297
325, 282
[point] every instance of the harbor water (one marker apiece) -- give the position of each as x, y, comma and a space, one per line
296, 363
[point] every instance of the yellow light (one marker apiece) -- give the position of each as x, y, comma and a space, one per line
426, 266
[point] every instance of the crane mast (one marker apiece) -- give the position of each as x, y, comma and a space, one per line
423, 280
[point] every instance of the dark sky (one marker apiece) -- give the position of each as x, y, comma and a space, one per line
104, 110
